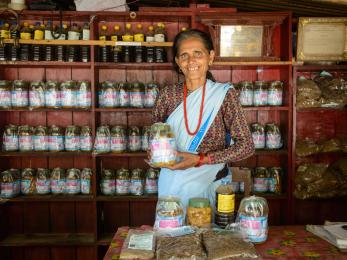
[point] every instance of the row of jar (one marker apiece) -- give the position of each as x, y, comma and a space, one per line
27, 138
260, 93
129, 182
43, 181
50, 94
266, 137
125, 94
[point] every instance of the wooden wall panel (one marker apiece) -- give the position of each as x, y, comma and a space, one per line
33, 118
82, 118
59, 118
117, 75
142, 213
12, 253
138, 162
58, 74
62, 217
10, 74
113, 163
80, 74
165, 77
139, 76
238, 75
59, 253
65, 162
14, 224
85, 253
36, 217
112, 215
34, 162
222, 75
85, 217
112, 119
37, 253
31, 74
139, 119
268, 74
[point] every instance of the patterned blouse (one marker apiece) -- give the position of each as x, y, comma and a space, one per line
230, 119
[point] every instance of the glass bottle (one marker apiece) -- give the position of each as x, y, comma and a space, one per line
225, 204
4, 34
116, 50
159, 36
25, 34
60, 50
49, 49
128, 51
73, 50
85, 49
104, 50
139, 37
37, 48
136, 182
150, 50
15, 47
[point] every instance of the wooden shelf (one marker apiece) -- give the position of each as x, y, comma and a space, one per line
320, 109
42, 154
270, 196
119, 109
45, 64
105, 239
46, 110
126, 154
49, 239
127, 198
134, 65
223, 64
271, 152
300, 66
52, 197
267, 108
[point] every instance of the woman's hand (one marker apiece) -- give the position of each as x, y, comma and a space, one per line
188, 160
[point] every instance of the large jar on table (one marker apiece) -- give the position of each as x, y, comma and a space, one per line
199, 212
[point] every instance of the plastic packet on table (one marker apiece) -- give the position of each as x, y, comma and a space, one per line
139, 244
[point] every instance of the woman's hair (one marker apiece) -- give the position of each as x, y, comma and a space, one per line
192, 33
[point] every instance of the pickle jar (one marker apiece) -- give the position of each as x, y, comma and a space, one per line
86, 139
19, 94
246, 93
73, 181
25, 138
68, 94
258, 135
199, 212
151, 181
84, 95
8, 184
10, 142
275, 179
260, 180
86, 176
102, 142
52, 95
151, 94
122, 181
260, 93
275, 93
5, 94
273, 136
27, 183
146, 131
16, 177
55, 139
58, 180
108, 182
118, 139
37, 94
124, 99
43, 181
108, 95
136, 182
40, 138
136, 95
72, 138
134, 139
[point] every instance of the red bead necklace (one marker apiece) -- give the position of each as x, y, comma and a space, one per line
185, 109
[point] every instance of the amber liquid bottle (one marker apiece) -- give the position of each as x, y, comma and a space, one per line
73, 54
4, 34
48, 49
60, 50
159, 36
225, 204
14, 48
116, 53
85, 49
139, 37
128, 51
25, 34
37, 48
149, 56
104, 51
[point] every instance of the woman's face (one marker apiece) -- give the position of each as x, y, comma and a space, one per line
193, 58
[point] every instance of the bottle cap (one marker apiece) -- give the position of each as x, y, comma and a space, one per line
116, 27
139, 26
150, 28
199, 202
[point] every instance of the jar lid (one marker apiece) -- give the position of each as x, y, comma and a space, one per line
199, 202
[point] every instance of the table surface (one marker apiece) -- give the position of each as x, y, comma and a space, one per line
284, 242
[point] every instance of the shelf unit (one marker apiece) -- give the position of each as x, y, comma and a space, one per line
81, 227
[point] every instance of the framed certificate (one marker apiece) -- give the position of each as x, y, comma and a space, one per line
322, 39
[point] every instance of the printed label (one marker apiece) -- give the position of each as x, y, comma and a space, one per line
141, 241
246, 97
226, 203
151, 186
256, 228
102, 144
159, 37
127, 38
149, 38
258, 140
52, 98
56, 143
108, 98
84, 98
48, 35
5, 98
260, 184
72, 186
169, 221
85, 186
144, 143
10, 143
26, 186
38, 35
58, 186
136, 99
19, 98
8, 190
260, 97
40, 142
43, 186
139, 37
163, 150
150, 98
122, 187
118, 144
25, 36
85, 34
73, 35
86, 143
107, 187
72, 143
36, 98
25, 143
123, 98
273, 141
68, 98
136, 187
5, 34
134, 143
275, 97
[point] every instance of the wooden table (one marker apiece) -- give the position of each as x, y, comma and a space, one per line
284, 242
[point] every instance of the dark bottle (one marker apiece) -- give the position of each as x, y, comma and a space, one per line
48, 49
60, 50
225, 204
36, 48
128, 51
116, 53
4, 34
25, 34
159, 36
150, 50
139, 37
85, 49
104, 50
14, 48
72, 52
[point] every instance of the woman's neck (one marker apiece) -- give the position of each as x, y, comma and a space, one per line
195, 83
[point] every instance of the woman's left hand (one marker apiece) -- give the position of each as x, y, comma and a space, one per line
188, 160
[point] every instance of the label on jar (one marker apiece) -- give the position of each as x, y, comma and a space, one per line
40, 142
58, 186
5, 98
72, 186
246, 97
136, 187
102, 144
260, 184
38, 35
169, 221
25, 143
151, 186
43, 186
85, 34
48, 35
118, 144
163, 150
19, 98
139, 37
272, 184
273, 141
107, 187
260, 97
150, 98
136, 99
10, 143
8, 190
84, 98
56, 143
275, 97
134, 143
72, 143
86, 143
25, 36
122, 187
108, 98
68, 98
144, 142
123, 98
159, 37
258, 140
85, 186
52, 98
226, 203
256, 228
36, 98
25, 186
71, 35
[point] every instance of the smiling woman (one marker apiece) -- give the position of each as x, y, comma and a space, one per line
201, 112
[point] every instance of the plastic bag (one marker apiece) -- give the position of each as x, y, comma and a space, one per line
306, 147
101, 5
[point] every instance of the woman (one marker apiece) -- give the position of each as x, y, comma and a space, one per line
201, 112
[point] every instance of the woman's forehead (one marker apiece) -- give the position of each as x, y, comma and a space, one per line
191, 43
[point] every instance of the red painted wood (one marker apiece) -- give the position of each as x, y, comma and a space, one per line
62, 217
14, 224
85, 253
85, 217
142, 213
66, 253
36, 217
112, 215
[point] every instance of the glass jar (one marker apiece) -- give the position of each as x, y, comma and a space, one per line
136, 95
118, 139
246, 93
102, 140
151, 181
124, 99
273, 136
73, 181
169, 213
86, 176
151, 94
58, 180
27, 185
86, 139
199, 212
258, 135
10, 142
52, 95
5, 94
43, 181
19, 94
136, 182
40, 138
8, 184
55, 139
146, 132
108, 95
25, 138
260, 180
122, 181
134, 139
84, 95
72, 138
275, 93
107, 183
68, 94
275, 179
260, 93
37, 94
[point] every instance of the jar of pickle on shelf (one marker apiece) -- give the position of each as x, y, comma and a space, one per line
145, 135
20, 94
55, 139
136, 182
108, 95
275, 179
260, 94
134, 139
58, 179
246, 93
136, 95
118, 139
27, 182
43, 181
40, 138
151, 181
37, 94
107, 182
275, 93
83, 95
5, 94
260, 179
273, 136
10, 141
124, 98
102, 142
86, 176
86, 139
25, 138
151, 94
258, 135
52, 95
72, 138
68, 92
122, 181
73, 181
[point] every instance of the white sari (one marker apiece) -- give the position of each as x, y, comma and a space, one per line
194, 182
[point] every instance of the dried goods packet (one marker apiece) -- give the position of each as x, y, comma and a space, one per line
139, 244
